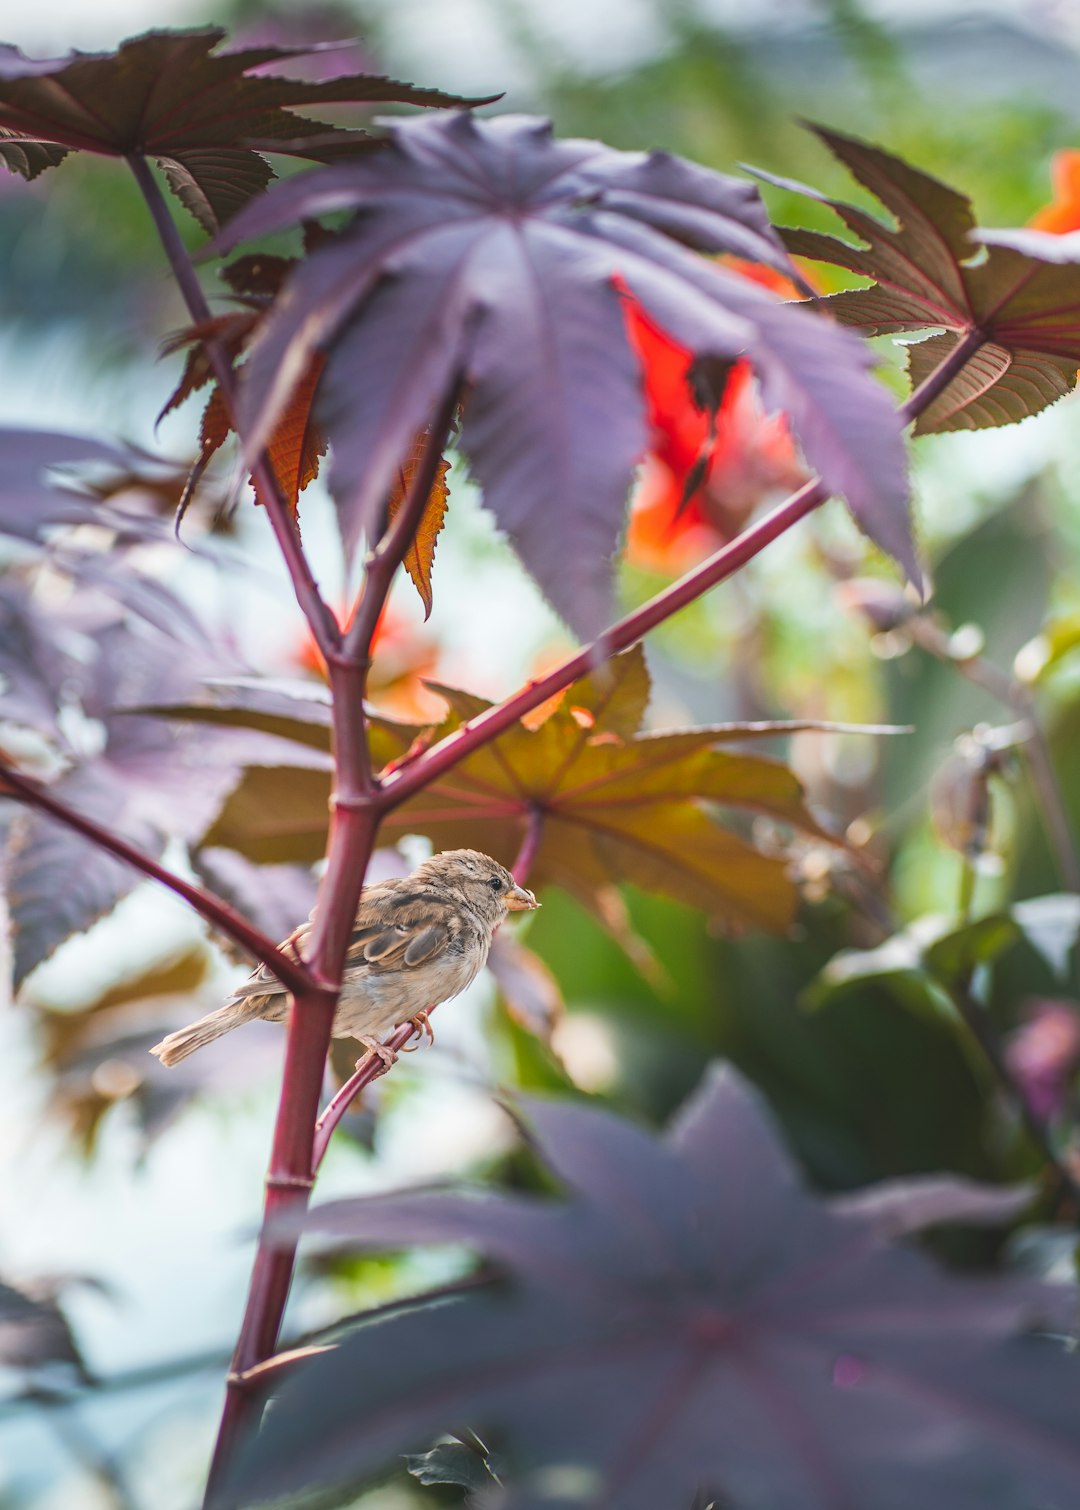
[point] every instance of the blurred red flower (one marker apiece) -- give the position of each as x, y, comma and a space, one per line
1063, 212
403, 656
751, 455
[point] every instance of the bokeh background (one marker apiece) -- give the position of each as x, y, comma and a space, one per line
134, 1198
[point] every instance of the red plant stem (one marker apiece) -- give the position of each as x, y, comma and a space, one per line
324, 626
291, 1175
399, 785
354, 821
530, 844
292, 973
367, 1070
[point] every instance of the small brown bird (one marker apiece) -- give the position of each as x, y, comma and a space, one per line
417, 941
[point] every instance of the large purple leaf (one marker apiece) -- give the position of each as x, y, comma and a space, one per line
689, 1320
140, 777
490, 254
57, 883
34, 1330
274, 897
31, 498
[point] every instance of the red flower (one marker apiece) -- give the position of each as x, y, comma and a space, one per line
403, 658
751, 454
1063, 212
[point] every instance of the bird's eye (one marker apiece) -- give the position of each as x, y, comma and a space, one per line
495, 884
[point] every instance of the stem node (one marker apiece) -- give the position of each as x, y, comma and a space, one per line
290, 1182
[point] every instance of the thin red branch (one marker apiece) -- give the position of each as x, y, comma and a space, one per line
401, 784
368, 1069
292, 973
324, 626
530, 844
292, 1158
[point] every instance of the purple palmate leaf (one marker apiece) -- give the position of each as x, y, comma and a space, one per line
141, 777
207, 116
487, 253
689, 1318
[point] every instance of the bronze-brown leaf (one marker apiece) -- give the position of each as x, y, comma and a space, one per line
420, 556
1017, 311
614, 805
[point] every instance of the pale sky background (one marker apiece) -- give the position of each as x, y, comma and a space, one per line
466, 42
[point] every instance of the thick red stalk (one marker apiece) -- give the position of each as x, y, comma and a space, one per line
354, 820
353, 825
291, 972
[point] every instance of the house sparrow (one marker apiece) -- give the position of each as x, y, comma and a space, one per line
418, 940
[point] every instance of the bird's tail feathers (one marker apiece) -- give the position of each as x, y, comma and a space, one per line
196, 1035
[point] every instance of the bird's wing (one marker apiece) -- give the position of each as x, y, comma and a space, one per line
397, 927
397, 945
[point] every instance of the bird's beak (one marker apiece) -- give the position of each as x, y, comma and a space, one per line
520, 900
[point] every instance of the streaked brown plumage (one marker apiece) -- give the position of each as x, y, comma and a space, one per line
417, 941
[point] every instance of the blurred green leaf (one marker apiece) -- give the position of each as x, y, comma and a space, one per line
1051, 925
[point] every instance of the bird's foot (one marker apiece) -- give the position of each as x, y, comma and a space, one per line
421, 1024
381, 1051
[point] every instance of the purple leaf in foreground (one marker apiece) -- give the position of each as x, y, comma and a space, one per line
31, 500
34, 1330
274, 897
489, 253
689, 1319
140, 777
